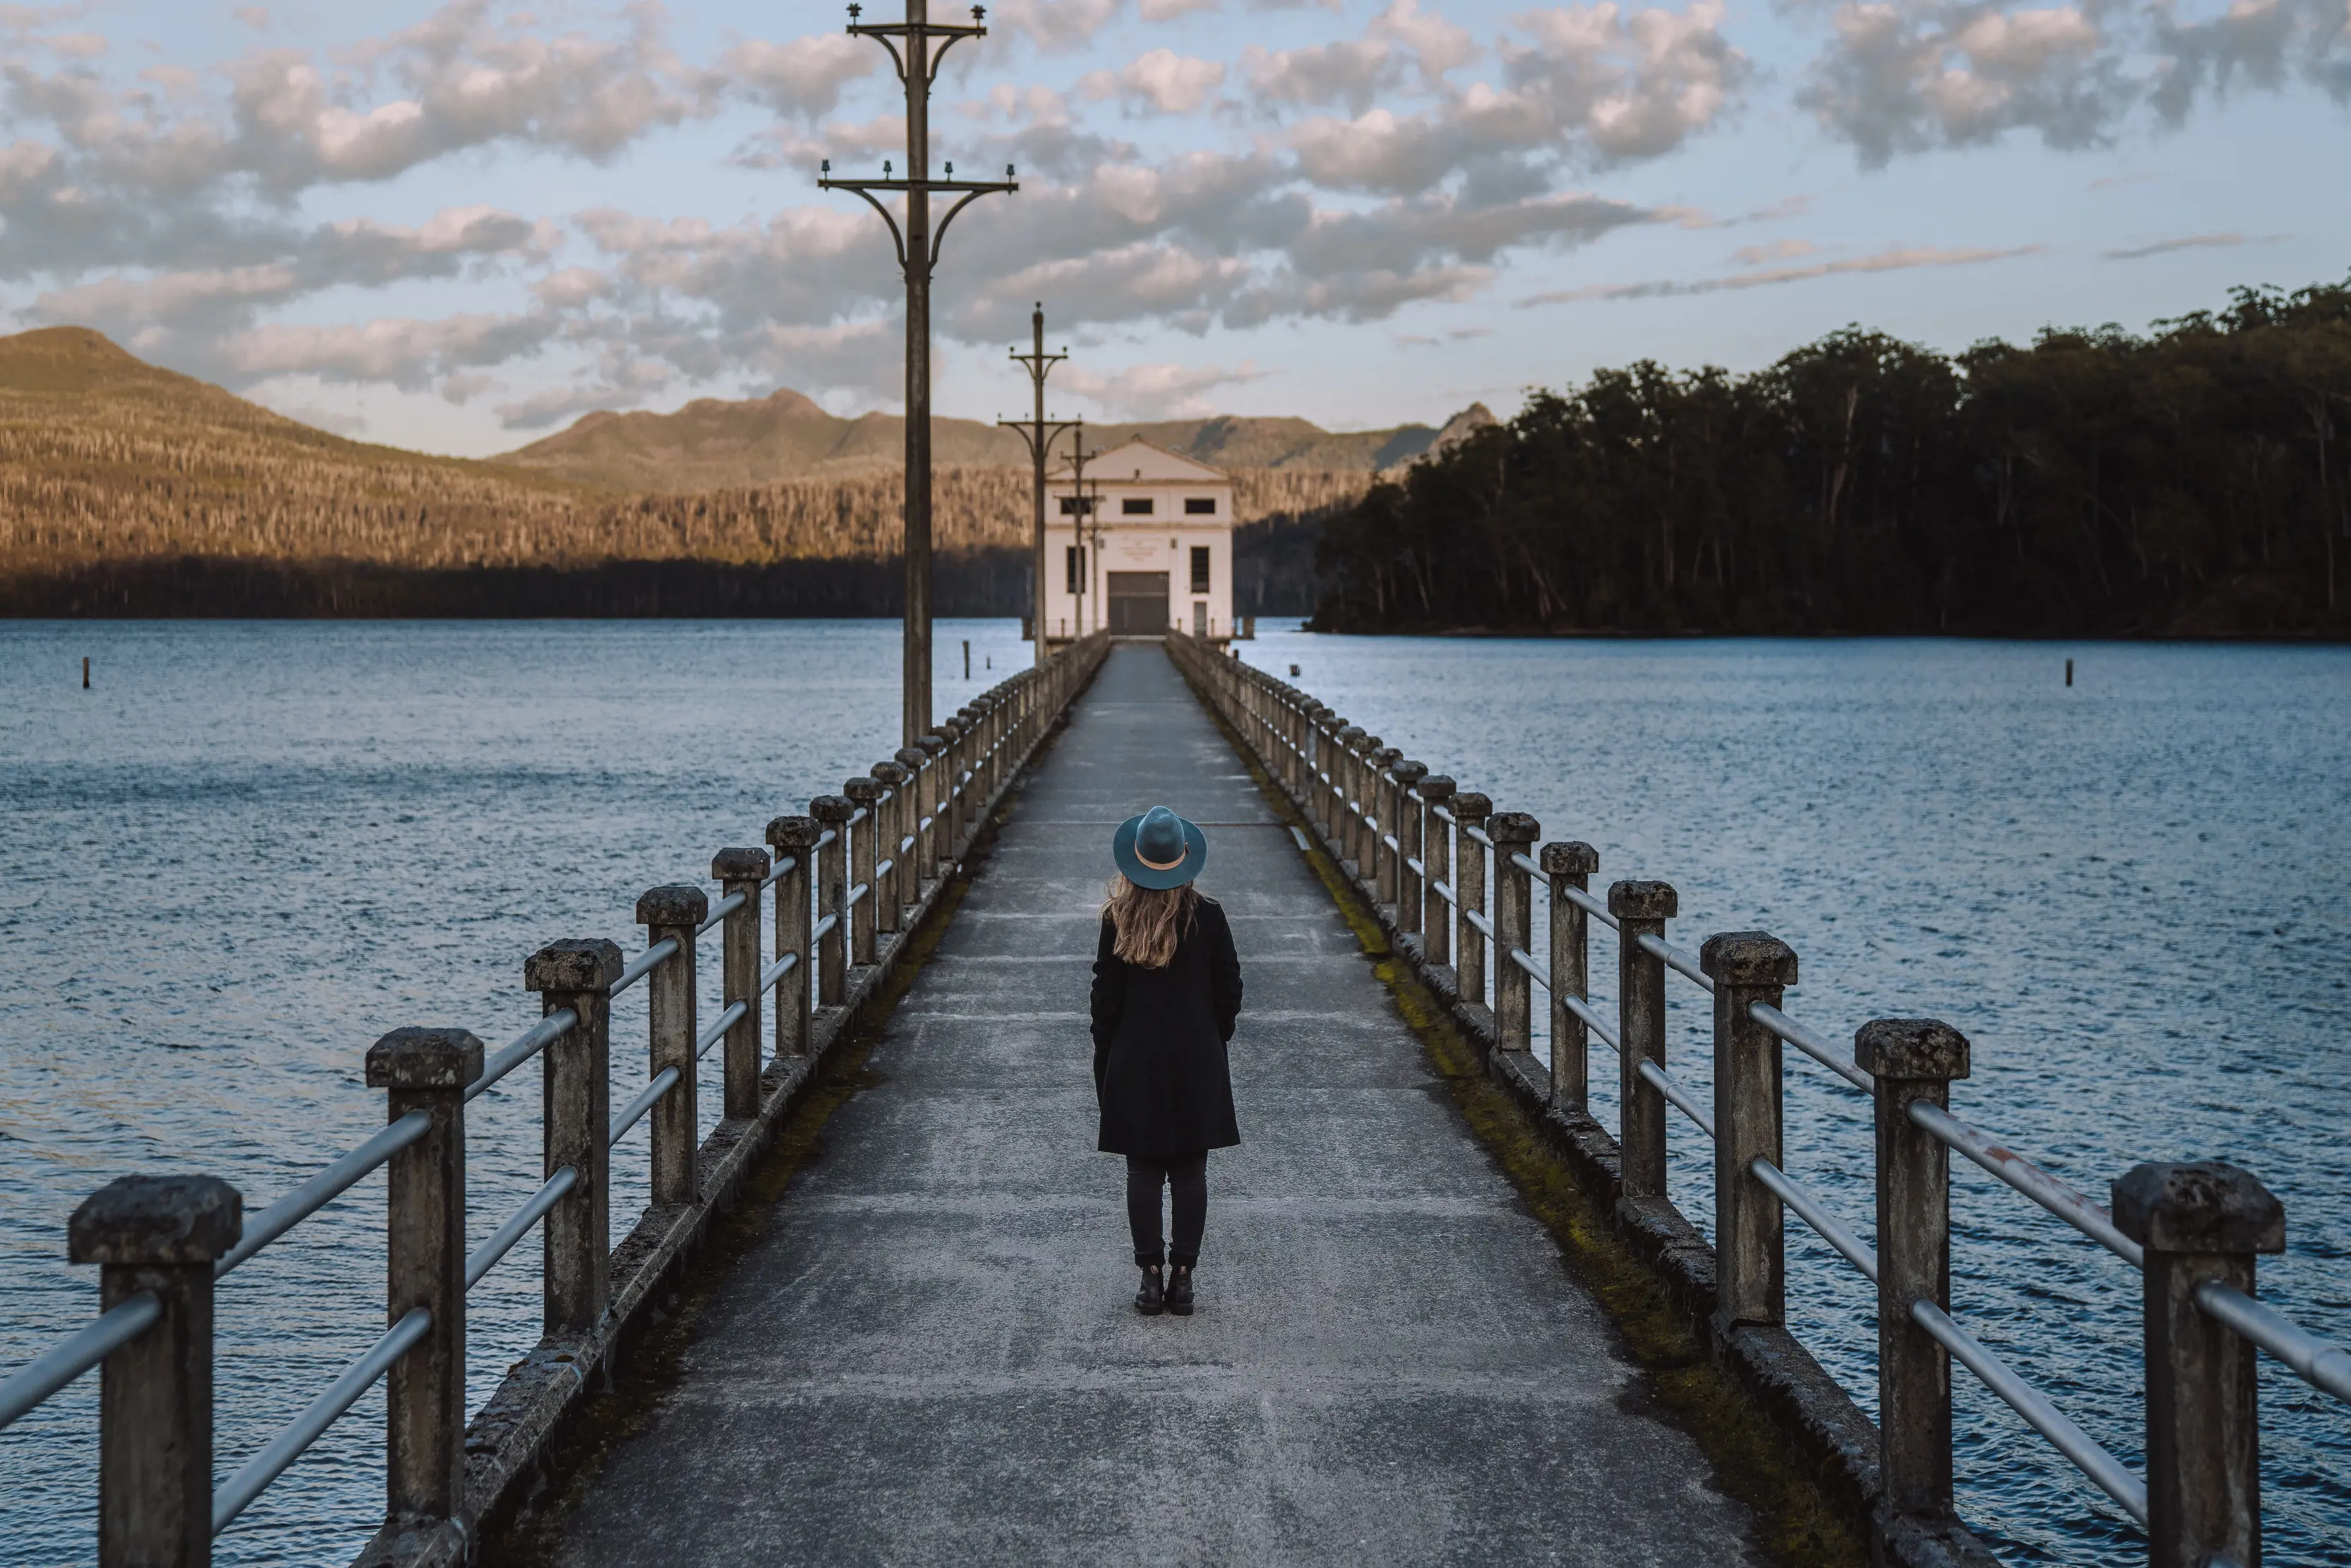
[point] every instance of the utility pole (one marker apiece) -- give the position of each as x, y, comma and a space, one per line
918, 254
1039, 434
1085, 506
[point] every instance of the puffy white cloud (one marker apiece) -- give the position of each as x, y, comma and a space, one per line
1161, 79
1054, 26
805, 77
1903, 76
1158, 391
408, 353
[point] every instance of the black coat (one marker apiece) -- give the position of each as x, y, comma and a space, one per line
1159, 1043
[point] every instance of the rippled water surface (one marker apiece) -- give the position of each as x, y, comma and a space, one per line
250, 849
2133, 896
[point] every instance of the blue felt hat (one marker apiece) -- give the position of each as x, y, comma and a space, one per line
1158, 848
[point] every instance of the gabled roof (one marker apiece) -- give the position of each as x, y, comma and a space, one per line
1137, 461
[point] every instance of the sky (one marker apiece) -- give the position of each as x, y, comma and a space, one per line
458, 228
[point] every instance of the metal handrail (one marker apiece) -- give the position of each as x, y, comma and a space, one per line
777, 971
823, 928
1414, 862
885, 869
1593, 1020
1480, 923
2315, 1361
2108, 1473
735, 1013
1518, 859
1681, 960
830, 836
858, 816
661, 1084
323, 1189
1593, 906
720, 911
1476, 834
854, 894
1389, 839
907, 843
1666, 1084
646, 962
789, 863
1526, 960
485, 1258
1444, 890
76, 1353
2055, 1195
525, 1046
1811, 1045
1808, 1210
253, 1477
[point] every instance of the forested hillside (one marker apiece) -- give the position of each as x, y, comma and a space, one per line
2189, 480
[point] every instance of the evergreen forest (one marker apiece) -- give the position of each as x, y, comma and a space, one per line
2189, 481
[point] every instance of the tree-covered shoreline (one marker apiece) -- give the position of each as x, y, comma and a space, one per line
2190, 482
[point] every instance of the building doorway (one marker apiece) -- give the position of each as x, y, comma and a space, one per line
1138, 603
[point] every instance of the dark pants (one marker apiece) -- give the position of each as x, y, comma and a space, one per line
1187, 1178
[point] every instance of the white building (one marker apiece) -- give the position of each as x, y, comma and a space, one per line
1148, 546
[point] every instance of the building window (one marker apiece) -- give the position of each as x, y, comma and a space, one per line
1076, 506
1136, 507
1200, 569
1199, 617
1074, 559
1199, 506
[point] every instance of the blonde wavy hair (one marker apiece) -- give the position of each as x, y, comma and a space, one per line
1149, 921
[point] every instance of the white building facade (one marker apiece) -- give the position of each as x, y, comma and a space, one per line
1146, 546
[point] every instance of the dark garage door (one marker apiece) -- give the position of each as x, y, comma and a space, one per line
1138, 603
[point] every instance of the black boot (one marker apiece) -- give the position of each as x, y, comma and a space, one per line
1151, 1300
1179, 1290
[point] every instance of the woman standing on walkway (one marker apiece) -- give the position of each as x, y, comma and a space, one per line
1167, 989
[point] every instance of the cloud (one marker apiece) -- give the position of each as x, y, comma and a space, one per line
1173, 10
1895, 260
409, 354
1054, 26
2187, 242
1158, 391
803, 78
1774, 250
1160, 81
1908, 75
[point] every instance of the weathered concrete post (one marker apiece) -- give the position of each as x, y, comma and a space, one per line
1367, 814
793, 840
670, 914
1390, 796
1750, 1266
1514, 833
1912, 1060
956, 756
1346, 810
577, 1109
1330, 776
1408, 894
2204, 1222
897, 886
1640, 907
1569, 864
1436, 855
864, 829
427, 1070
1469, 812
932, 800
162, 1234
832, 900
739, 871
938, 850
910, 820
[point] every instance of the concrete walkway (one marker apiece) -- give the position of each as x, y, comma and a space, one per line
931, 1356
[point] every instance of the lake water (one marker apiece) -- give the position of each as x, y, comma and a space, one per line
252, 848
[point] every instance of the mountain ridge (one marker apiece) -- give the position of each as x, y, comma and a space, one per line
712, 442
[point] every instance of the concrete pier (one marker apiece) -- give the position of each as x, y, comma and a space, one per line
931, 1355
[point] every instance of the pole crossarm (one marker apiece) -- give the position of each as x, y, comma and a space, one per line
971, 190
947, 33
1054, 431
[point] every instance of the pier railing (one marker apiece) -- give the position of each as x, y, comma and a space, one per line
848, 881
1455, 882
